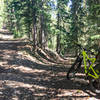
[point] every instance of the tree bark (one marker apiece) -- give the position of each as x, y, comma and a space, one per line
58, 27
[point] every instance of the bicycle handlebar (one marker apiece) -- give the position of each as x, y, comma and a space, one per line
92, 53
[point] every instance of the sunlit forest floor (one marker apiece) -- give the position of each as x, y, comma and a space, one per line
23, 77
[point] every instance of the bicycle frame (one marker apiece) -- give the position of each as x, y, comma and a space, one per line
92, 60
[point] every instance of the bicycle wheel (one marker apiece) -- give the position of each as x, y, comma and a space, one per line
73, 70
95, 83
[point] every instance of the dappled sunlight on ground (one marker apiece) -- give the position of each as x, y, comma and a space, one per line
5, 35
23, 77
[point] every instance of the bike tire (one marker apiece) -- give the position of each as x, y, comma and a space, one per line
73, 70
95, 83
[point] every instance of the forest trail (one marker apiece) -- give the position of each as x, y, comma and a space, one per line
23, 78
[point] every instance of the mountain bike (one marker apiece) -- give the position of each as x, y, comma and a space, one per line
91, 70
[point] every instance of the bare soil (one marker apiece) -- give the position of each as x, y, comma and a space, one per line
23, 77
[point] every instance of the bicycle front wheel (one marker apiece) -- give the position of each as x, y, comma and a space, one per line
73, 70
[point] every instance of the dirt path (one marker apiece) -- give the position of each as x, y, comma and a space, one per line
24, 78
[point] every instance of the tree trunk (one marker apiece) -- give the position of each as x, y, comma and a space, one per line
34, 25
58, 27
58, 44
41, 26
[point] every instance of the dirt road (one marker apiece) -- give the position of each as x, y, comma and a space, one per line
25, 78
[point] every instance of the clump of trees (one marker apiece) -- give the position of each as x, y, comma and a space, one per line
54, 23
1, 13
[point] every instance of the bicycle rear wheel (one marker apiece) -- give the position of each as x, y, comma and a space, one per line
74, 69
95, 83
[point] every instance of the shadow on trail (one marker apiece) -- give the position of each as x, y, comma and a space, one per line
24, 79
45, 79
5, 33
